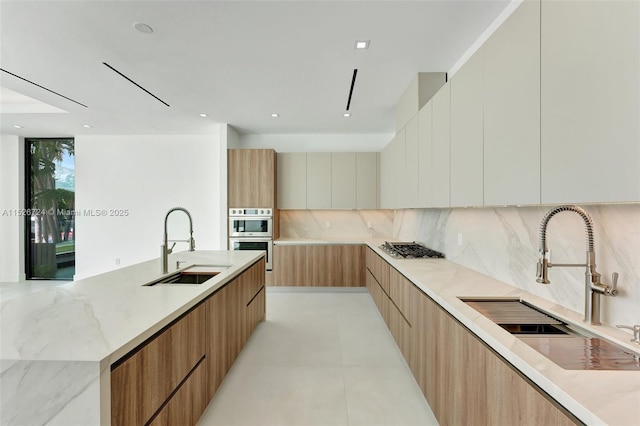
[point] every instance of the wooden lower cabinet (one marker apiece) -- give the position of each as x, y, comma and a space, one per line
379, 268
232, 319
468, 383
320, 265
142, 383
379, 297
463, 380
188, 403
170, 378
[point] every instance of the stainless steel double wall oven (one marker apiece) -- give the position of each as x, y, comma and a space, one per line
252, 229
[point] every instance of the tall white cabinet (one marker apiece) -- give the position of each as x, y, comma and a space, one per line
590, 99
440, 148
467, 134
512, 109
411, 184
424, 155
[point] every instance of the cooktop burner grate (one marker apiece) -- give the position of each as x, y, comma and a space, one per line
409, 250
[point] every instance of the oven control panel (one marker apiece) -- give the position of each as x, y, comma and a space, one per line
251, 212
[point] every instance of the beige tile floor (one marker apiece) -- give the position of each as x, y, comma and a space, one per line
321, 358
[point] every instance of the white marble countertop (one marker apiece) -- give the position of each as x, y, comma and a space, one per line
324, 241
103, 317
57, 344
595, 397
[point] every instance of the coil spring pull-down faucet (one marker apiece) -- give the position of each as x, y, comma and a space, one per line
593, 288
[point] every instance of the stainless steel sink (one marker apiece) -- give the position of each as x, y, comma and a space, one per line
195, 274
563, 343
518, 317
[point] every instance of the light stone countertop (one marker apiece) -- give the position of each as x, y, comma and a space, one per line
57, 344
595, 397
325, 241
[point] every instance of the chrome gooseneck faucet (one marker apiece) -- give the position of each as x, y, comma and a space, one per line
593, 287
165, 249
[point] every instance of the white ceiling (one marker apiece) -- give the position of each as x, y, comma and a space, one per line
237, 61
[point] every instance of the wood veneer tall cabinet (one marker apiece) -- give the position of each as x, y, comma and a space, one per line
467, 165
590, 101
251, 178
512, 109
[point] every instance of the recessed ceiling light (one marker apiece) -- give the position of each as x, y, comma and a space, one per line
87, 126
18, 126
203, 115
143, 28
275, 115
347, 114
362, 44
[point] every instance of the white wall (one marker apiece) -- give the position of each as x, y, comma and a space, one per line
146, 176
503, 243
315, 142
11, 199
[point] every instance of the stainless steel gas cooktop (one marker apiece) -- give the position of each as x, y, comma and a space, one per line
409, 250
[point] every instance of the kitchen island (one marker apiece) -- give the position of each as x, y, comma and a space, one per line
59, 345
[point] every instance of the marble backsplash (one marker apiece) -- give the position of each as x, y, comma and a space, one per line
503, 243
336, 224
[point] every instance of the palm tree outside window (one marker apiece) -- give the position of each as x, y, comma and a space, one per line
50, 214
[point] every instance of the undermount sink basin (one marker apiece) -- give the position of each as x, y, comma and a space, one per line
562, 343
195, 274
518, 317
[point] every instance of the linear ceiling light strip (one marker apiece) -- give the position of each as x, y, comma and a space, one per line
42, 87
133, 82
353, 83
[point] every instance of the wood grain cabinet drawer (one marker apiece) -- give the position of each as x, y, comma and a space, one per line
142, 383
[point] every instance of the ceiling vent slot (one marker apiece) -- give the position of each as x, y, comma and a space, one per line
134, 83
353, 83
42, 87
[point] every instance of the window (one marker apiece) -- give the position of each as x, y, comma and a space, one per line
50, 193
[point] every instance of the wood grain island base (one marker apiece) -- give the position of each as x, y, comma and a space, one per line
170, 378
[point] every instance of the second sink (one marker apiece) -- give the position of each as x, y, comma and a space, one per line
561, 342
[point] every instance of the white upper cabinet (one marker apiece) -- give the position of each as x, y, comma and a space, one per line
424, 156
367, 180
292, 180
467, 134
398, 149
343, 180
590, 97
325, 180
387, 179
512, 109
440, 145
411, 184
319, 180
